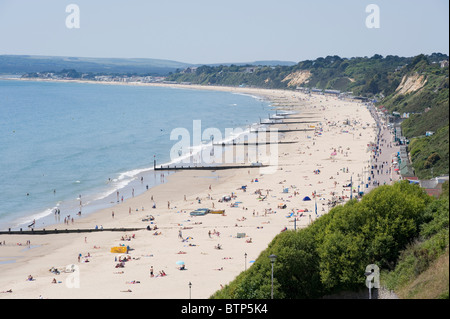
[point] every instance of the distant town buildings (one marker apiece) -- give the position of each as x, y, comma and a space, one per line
99, 78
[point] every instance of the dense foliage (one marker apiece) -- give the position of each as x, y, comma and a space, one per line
417, 258
331, 254
234, 75
430, 154
361, 75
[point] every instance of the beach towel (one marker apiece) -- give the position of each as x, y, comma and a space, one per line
119, 250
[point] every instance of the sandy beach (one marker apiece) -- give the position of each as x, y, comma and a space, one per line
318, 165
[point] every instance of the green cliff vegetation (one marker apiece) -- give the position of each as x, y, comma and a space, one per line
424, 93
234, 75
330, 256
422, 269
429, 155
374, 76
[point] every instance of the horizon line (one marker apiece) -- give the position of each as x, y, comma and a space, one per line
214, 63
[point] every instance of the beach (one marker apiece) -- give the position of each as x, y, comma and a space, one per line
323, 158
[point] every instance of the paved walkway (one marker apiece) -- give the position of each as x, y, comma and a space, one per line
381, 169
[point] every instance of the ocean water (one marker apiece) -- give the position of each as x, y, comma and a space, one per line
66, 144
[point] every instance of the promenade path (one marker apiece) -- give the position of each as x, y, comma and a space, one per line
381, 168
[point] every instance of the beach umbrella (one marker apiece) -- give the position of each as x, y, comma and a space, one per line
180, 262
306, 198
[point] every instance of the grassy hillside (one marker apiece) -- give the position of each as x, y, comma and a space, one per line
430, 155
372, 76
367, 76
424, 92
423, 267
431, 284
427, 96
330, 256
234, 75
362, 76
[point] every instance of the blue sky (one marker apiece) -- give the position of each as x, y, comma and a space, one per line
211, 31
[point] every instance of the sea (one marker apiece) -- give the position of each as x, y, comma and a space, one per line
69, 147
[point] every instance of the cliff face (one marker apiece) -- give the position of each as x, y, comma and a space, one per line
297, 78
411, 83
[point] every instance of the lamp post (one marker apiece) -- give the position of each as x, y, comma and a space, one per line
190, 286
351, 187
272, 261
245, 255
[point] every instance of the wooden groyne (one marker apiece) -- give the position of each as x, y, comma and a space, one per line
205, 168
64, 231
252, 143
281, 123
296, 130
298, 117
284, 131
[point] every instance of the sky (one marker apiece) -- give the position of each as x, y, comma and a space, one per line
225, 31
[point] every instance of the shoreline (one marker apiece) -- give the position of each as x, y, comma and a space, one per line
95, 203
207, 268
